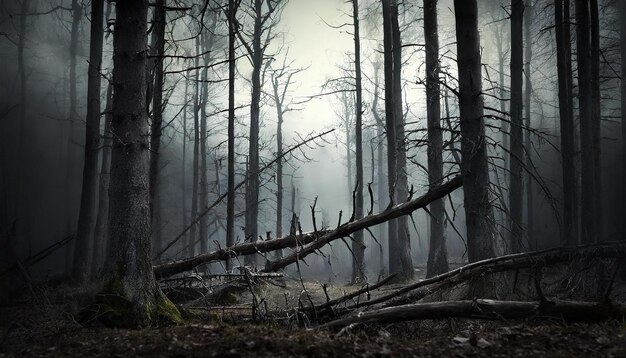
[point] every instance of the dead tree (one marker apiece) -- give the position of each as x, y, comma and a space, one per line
230, 204
358, 248
528, 145
588, 208
87, 216
569, 311
281, 79
516, 162
313, 240
400, 261
100, 237
438, 253
130, 295
569, 234
156, 79
478, 210
623, 95
260, 37
596, 117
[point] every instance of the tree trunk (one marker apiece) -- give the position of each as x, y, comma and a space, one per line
358, 248
279, 164
478, 211
588, 208
157, 50
183, 169
532, 243
230, 204
196, 149
380, 171
517, 151
399, 240
86, 219
204, 184
131, 296
438, 253
100, 237
596, 118
623, 102
569, 234
252, 194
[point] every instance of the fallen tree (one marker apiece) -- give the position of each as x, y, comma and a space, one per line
536, 259
569, 311
314, 240
247, 248
350, 227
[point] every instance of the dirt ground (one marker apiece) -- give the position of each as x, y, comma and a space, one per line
45, 324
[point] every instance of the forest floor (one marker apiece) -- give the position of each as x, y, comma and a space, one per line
44, 323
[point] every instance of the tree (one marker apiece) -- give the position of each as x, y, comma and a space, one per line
478, 210
438, 253
400, 261
87, 215
596, 117
358, 248
230, 201
157, 52
588, 208
100, 236
623, 92
261, 30
516, 162
528, 145
569, 234
130, 295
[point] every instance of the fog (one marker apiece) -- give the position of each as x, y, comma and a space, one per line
41, 206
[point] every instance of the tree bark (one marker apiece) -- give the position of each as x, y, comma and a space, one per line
438, 253
588, 209
358, 247
380, 170
86, 218
131, 296
623, 102
517, 150
478, 210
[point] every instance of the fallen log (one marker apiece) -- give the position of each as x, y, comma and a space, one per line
569, 311
536, 259
370, 220
313, 240
247, 248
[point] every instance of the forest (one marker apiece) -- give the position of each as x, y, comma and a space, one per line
312, 178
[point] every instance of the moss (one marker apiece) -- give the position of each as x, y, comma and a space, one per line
116, 309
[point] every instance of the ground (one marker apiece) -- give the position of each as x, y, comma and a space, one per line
46, 324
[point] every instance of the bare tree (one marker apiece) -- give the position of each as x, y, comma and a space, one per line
588, 208
358, 247
156, 79
566, 115
517, 150
478, 210
230, 203
438, 253
400, 261
100, 236
87, 215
